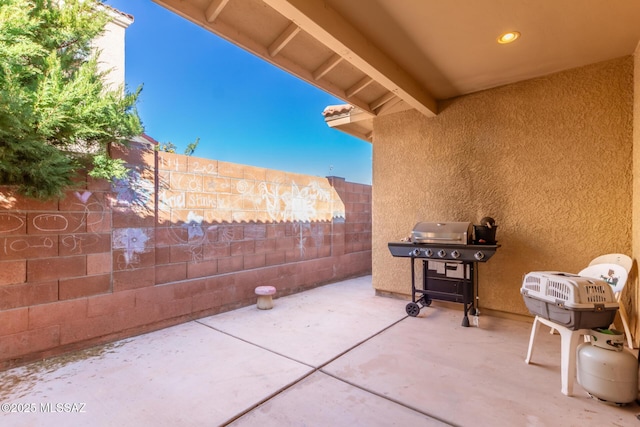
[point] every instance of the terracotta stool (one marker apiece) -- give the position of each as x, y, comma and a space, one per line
264, 297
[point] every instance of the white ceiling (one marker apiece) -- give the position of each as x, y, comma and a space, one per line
450, 45
385, 55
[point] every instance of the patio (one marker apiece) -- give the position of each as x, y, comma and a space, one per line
336, 355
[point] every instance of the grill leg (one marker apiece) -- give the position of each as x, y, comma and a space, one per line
465, 321
413, 279
467, 301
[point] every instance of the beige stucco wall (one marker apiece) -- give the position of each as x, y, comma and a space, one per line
111, 45
550, 159
634, 293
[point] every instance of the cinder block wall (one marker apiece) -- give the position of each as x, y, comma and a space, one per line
181, 238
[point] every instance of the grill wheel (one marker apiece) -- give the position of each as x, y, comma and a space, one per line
412, 309
425, 301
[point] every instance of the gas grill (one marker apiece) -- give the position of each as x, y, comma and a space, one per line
449, 254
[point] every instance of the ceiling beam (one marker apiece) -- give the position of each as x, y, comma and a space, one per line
327, 66
364, 82
283, 39
317, 19
214, 9
196, 14
382, 100
381, 110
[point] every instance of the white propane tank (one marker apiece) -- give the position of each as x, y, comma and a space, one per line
605, 370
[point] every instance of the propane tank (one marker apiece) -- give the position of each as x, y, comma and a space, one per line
605, 370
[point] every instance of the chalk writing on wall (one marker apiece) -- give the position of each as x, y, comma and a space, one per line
203, 200
76, 243
255, 200
196, 237
133, 242
306, 232
204, 168
298, 204
51, 223
168, 163
10, 246
10, 222
84, 196
78, 225
224, 199
134, 191
194, 228
169, 200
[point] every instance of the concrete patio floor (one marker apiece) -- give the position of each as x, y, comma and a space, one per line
333, 356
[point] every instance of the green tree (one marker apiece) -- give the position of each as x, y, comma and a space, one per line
170, 147
191, 147
167, 147
56, 115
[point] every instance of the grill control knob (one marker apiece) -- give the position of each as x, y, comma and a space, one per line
415, 252
428, 253
479, 255
442, 253
455, 254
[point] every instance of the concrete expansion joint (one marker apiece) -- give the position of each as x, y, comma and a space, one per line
386, 397
320, 369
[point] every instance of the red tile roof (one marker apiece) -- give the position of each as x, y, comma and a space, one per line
337, 110
126, 15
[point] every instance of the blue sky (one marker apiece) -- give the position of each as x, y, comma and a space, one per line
243, 109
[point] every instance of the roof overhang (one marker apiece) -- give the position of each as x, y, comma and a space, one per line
314, 43
119, 18
382, 56
350, 120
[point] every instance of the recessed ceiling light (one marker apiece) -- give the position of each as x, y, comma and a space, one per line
509, 37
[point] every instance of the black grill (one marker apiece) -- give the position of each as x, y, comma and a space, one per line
449, 259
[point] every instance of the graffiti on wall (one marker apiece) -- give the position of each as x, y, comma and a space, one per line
134, 191
308, 233
296, 204
133, 242
299, 205
251, 200
199, 235
196, 236
196, 195
84, 216
271, 201
10, 222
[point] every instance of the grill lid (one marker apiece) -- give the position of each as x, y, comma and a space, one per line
447, 233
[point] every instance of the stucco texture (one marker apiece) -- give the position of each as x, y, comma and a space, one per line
631, 289
550, 159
